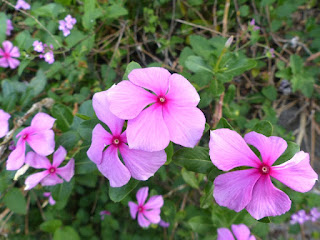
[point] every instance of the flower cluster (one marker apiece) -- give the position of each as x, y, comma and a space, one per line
21, 4
8, 54
241, 232
67, 24
301, 216
45, 50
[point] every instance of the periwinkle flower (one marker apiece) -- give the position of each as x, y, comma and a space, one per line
241, 232
8, 55
4, 123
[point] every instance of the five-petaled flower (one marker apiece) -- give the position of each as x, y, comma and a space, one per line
241, 232
148, 212
49, 176
8, 55
252, 188
4, 124
39, 136
104, 149
173, 113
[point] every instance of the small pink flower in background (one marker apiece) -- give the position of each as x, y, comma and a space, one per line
253, 24
271, 50
103, 213
63, 28
39, 136
67, 24
70, 21
314, 214
4, 123
38, 46
50, 198
299, 217
9, 27
105, 147
148, 212
49, 57
22, 4
49, 177
164, 224
172, 116
8, 55
252, 188
241, 232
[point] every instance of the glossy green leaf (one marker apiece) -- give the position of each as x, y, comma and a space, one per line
117, 194
15, 201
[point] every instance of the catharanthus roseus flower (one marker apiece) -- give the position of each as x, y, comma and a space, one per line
9, 27
4, 123
22, 4
299, 217
253, 24
148, 212
50, 176
241, 232
67, 24
252, 188
50, 198
8, 55
314, 214
173, 115
38, 46
104, 149
39, 136
103, 213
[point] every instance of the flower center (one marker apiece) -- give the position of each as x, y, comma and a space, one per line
25, 136
6, 55
265, 169
161, 99
52, 169
116, 141
140, 209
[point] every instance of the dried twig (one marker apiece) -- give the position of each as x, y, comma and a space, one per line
225, 18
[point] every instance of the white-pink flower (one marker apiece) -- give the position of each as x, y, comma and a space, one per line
38, 46
4, 124
8, 55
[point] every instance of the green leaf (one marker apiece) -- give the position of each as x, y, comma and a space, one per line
51, 225
115, 11
169, 151
216, 88
201, 224
265, 220
66, 233
206, 200
193, 159
206, 128
201, 46
61, 193
190, 178
132, 65
85, 129
24, 63
49, 10
291, 150
186, 52
3, 26
83, 117
270, 92
75, 37
197, 64
304, 82
68, 139
117, 194
83, 164
38, 83
64, 116
223, 123
15, 201
296, 64
91, 13
264, 127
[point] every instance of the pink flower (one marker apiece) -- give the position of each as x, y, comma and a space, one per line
9, 27
39, 136
105, 147
252, 188
253, 24
148, 212
50, 198
70, 21
49, 57
63, 28
38, 46
4, 123
7, 55
299, 217
314, 214
164, 224
172, 116
49, 177
241, 232
103, 213
22, 4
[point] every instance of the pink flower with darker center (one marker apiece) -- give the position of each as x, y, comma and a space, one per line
50, 198
39, 136
252, 188
8, 55
105, 147
4, 123
9, 27
241, 232
49, 177
148, 212
160, 107
22, 4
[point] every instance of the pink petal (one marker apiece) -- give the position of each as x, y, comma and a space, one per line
142, 165
127, 100
100, 139
17, 156
152, 215
37, 161
185, 124
42, 142
155, 79
241, 232
42, 121
113, 169
7, 46
296, 173
4, 63
143, 222
51, 179
148, 131
181, 92
154, 202
270, 148
224, 234
234, 189
267, 200
59, 156
67, 171
34, 179
13, 63
228, 150
101, 107
133, 209
4, 117
15, 52
52, 201
142, 195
